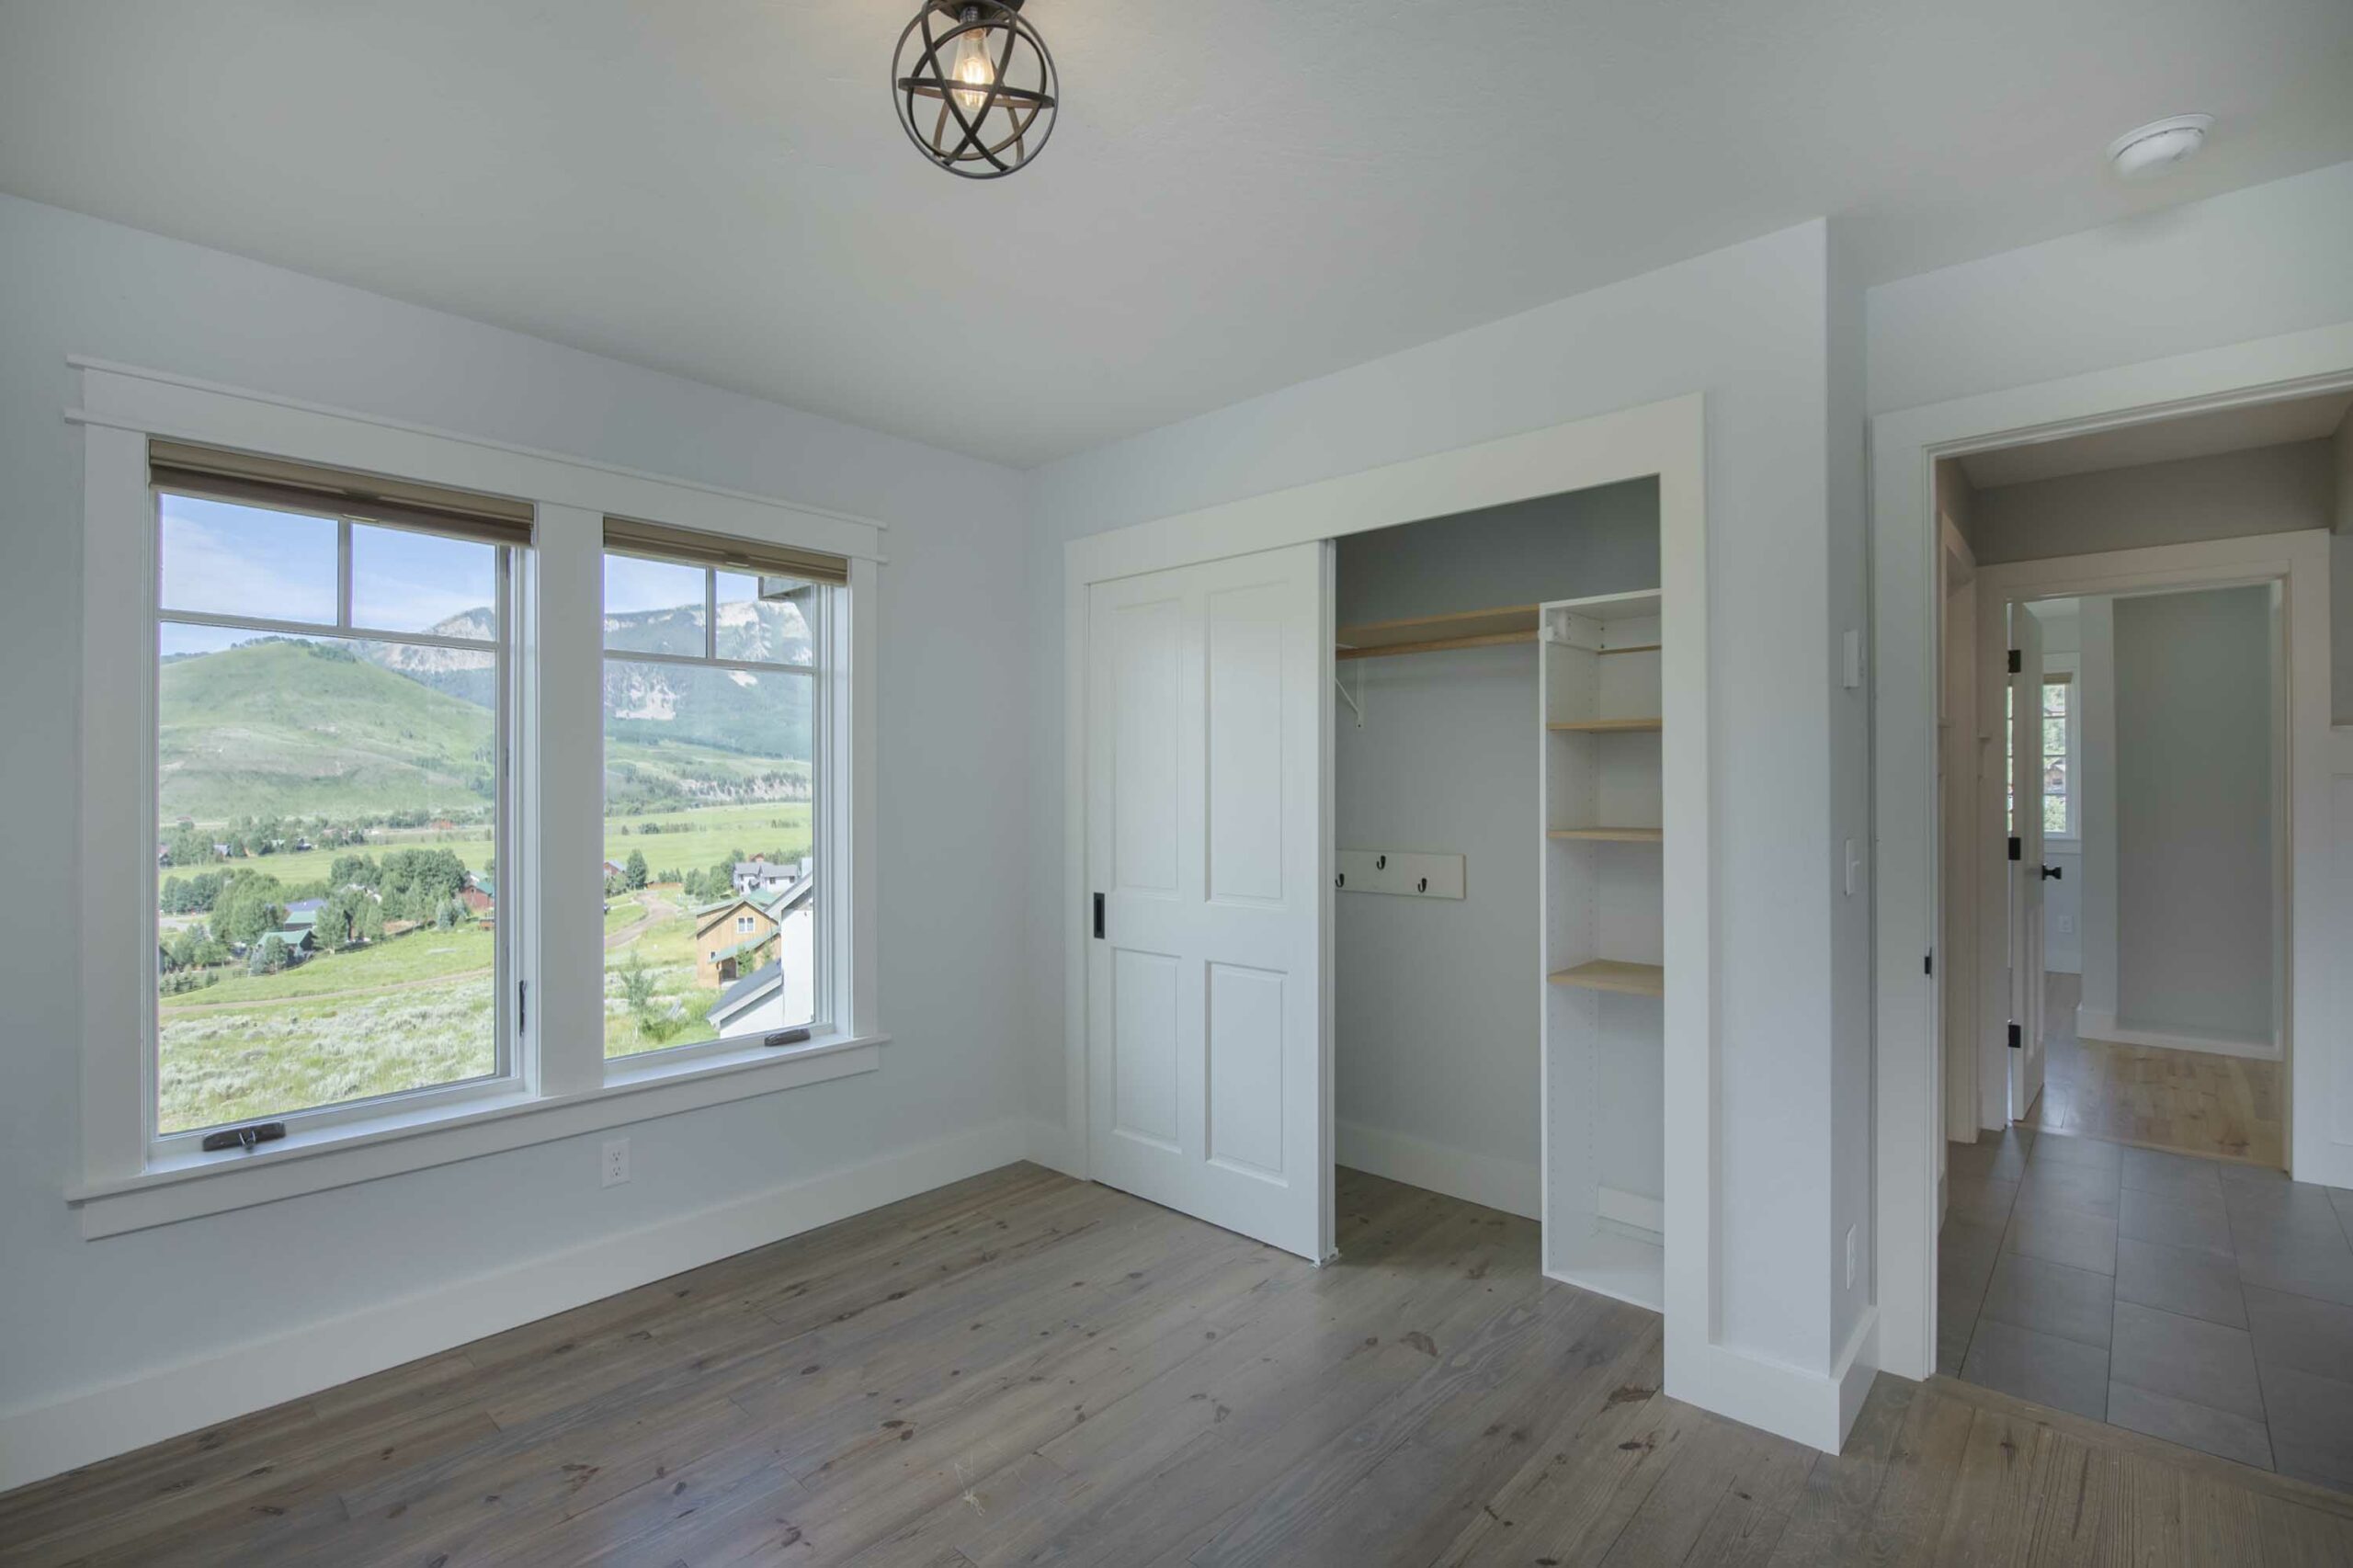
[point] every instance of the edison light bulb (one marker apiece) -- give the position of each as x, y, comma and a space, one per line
972, 67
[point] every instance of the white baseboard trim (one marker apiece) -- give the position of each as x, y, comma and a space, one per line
38, 1441
1817, 1409
2091, 1024
1512, 1185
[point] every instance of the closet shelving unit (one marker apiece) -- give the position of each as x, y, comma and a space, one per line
1603, 1030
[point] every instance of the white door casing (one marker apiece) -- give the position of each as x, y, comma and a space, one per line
1905, 445
2025, 859
1204, 832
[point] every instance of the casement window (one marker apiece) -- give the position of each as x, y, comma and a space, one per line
449, 812
715, 704
331, 795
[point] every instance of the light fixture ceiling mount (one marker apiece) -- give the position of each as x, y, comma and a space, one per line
974, 86
2152, 149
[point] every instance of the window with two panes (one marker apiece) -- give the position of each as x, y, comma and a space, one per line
337, 682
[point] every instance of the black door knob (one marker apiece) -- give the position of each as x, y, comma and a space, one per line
2053, 873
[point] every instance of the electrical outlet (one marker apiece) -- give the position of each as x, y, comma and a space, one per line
2066, 925
616, 1161
1850, 1258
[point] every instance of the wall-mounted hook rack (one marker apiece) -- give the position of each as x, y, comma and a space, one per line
1403, 871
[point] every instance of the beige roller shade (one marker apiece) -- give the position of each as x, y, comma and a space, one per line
398, 502
733, 554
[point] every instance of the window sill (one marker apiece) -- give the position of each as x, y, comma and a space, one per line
196, 1184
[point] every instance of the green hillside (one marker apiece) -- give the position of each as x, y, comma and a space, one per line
286, 727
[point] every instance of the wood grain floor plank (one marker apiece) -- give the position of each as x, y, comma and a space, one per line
1024, 1369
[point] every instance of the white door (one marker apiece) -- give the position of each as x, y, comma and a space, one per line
2025, 849
1205, 723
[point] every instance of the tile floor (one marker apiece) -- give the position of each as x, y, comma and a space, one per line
2207, 1303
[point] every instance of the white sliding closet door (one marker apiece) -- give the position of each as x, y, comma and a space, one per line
1205, 826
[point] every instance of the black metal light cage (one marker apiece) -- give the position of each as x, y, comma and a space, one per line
1009, 125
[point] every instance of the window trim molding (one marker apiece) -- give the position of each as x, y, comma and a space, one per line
565, 1085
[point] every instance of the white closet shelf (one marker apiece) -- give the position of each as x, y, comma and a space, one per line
1436, 633
1613, 975
1601, 726
1609, 835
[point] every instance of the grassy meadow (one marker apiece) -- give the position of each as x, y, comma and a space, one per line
417, 1008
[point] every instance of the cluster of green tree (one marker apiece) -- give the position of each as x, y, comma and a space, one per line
359, 896
175, 982
409, 884
349, 914
243, 905
631, 877
192, 896
194, 949
184, 844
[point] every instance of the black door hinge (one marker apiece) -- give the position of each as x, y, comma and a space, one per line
522, 1005
2015, 1044
2016, 849
1099, 917
1928, 964
2017, 662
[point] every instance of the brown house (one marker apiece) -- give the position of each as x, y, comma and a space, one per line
728, 938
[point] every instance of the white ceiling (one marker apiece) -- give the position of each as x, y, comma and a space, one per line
2163, 441
1241, 194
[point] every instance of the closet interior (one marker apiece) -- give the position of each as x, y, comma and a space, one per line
1498, 826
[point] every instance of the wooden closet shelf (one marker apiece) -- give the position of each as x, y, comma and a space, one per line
1601, 726
1432, 633
1611, 975
1609, 835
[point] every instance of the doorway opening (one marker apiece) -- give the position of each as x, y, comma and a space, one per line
2119, 738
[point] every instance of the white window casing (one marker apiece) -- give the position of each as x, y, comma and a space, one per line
558, 1084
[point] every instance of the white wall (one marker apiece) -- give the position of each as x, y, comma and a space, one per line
2264, 490
1435, 1038
952, 770
2193, 814
2340, 570
1750, 326
2249, 264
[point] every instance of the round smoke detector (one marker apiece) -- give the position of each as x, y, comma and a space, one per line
2159, 145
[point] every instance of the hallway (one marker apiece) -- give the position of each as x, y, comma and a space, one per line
2196, 1102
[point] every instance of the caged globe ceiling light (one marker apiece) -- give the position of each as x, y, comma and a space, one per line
974, 86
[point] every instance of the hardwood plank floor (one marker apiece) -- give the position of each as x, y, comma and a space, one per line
2191, 1102
1024, 1369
